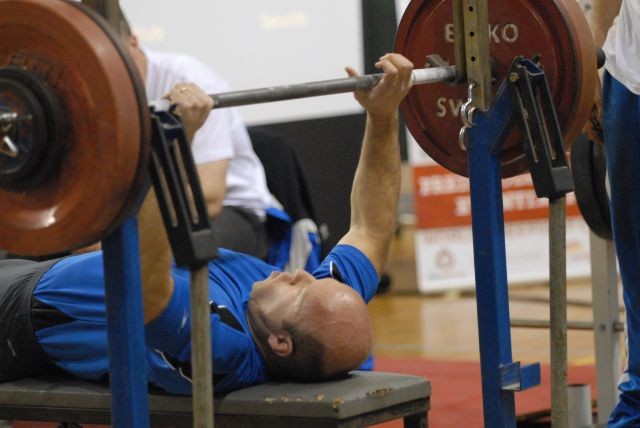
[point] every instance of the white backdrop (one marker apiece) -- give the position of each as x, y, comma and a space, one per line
255, 43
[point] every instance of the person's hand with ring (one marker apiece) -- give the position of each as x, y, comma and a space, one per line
192, 106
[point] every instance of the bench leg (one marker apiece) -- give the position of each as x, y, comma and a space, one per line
419, 420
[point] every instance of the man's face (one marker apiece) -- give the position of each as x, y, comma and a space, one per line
280, 296
303, 300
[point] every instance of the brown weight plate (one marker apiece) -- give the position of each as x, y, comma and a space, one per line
107, 145
556, 30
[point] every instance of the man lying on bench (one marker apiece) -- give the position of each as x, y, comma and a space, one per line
264, 323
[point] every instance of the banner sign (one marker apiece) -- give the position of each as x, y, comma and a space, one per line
444, 245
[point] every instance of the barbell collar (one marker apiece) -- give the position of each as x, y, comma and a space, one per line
313, 89
8, 120
422, 76
8, 147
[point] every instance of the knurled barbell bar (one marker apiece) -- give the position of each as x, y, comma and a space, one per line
419, 76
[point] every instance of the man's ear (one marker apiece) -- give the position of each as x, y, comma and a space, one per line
281, 344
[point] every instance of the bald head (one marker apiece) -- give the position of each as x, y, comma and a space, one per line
309, 329
337, 317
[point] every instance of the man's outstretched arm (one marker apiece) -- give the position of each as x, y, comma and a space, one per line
376, 186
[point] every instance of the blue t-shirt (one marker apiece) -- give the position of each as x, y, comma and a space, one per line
75, 287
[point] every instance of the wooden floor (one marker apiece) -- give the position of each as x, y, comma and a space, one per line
445, 326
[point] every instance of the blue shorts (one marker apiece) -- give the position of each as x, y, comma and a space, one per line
621, 124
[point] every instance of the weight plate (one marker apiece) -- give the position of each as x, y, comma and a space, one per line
599, 168
589, 179
555, 30
107, 128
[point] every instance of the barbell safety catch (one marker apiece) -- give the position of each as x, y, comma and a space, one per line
462, 138
466, 110
466, 114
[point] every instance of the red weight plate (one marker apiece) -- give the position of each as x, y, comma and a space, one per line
556, 30
107, 145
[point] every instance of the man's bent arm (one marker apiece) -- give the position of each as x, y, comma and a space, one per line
376, 186
213, 180
155, 259
194, 107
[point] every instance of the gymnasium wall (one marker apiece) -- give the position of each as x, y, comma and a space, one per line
256, 43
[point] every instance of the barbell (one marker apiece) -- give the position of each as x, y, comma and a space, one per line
74, 119
419, 76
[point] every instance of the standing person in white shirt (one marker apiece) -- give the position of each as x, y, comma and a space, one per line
232, 177
621, 129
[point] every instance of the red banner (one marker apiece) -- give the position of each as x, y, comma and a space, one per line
442, 199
